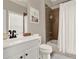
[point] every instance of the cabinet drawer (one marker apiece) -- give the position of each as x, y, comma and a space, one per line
14, 50
18, 56
32, 53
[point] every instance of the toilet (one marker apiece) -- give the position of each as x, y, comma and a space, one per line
45, 51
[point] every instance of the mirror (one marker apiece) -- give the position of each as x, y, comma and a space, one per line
15, 22
25, 22
5, 23
13, 18
18, 22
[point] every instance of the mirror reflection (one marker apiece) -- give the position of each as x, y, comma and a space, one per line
15, 24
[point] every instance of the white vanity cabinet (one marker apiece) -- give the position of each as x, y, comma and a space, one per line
28, 54
24, 50
32, 53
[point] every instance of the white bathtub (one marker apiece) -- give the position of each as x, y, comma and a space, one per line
54, 44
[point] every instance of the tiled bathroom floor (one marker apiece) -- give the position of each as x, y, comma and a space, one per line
58, 55
61, 56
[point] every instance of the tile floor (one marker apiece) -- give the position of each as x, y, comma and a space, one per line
61, 56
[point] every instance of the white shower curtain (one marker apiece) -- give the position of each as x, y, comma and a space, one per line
67, 27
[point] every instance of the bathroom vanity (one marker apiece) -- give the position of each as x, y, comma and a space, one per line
22, 48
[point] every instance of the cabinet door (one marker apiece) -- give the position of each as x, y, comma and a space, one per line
32, 53
18, 56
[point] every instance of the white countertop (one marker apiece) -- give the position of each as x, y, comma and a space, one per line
15, 41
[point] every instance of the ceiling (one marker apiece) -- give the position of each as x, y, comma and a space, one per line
20, 2
51, 3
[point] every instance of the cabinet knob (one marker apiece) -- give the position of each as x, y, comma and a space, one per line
21, 57
26, 54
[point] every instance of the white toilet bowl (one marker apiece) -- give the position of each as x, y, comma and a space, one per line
45, 51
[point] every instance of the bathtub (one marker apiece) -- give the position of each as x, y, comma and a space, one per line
54, 44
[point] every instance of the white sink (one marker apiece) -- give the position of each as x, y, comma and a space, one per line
14, 41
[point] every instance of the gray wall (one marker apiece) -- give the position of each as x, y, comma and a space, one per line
38, 4
8, 5
38, 28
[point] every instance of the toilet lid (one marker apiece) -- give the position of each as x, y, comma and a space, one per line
45, 46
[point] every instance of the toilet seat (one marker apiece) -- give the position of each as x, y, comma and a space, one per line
45, 48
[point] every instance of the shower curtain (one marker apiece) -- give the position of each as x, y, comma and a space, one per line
67, 28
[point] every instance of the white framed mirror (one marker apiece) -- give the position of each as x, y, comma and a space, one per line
15, 22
